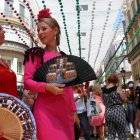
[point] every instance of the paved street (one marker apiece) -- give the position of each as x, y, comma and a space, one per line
128, 138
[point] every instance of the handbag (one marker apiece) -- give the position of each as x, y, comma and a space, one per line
93, 107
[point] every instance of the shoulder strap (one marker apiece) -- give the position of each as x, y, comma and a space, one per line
33, 52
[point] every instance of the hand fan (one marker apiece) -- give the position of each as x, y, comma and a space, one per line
16, 119
66, 69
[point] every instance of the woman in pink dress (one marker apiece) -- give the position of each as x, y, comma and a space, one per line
54, 107
98, 121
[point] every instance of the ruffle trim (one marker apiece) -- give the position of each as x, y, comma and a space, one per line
33, 52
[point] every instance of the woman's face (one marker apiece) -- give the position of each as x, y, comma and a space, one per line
45, 33
2, 36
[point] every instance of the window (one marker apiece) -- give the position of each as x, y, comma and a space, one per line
7, 9
128, 15
8, 61
133, 8
138, 2
124, 26
21, 11
19, 68
83, 7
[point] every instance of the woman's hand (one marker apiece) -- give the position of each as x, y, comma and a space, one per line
55, 88
76, 119
31, 101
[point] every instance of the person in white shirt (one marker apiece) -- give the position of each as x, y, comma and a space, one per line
79, 96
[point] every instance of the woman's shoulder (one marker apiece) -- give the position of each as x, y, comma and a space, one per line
32, 52
109, 89
35, 50
3, 64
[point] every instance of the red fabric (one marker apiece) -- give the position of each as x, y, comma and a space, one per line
87, 85
8, 81
3, 138
79, 90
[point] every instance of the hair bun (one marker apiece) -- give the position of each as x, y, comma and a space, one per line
44, 13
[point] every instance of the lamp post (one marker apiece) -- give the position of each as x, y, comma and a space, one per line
123, 76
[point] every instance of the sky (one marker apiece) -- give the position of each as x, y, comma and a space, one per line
99, 23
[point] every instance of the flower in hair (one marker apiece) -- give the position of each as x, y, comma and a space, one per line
45, 13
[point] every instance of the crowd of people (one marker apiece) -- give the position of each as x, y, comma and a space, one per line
61, 112
120, 109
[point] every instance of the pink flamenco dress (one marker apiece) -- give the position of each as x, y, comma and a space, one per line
53, 113
100, 119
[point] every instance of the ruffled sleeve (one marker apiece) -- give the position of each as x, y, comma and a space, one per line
33, 60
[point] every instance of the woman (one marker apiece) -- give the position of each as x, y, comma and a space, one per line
131, 107
54, 108
115, 114
80, 96
99, 120
7, 76
137, 121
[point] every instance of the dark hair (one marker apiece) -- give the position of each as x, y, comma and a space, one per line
112, 78
1, 27
128, 85
52, 23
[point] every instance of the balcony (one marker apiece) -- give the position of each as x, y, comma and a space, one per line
14, 19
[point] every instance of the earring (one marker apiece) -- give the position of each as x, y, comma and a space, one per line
55, 37
59, 48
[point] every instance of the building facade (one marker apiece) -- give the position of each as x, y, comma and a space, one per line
17, 20
114, 59
132, 20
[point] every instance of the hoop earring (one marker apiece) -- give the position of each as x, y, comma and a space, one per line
59, 48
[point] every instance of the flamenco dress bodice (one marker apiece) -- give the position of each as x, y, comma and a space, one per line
8, 83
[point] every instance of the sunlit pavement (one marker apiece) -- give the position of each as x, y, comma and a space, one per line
129, 137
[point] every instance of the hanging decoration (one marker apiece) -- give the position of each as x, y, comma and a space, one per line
135, 18
22, 23
78, 22
19, 36
64, 23
44, 4
114, 36
30, 10
128, 45
92, 27
104, 28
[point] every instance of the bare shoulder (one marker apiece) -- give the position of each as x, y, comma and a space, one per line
119, 89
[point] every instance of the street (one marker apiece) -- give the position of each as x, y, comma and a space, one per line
129, 137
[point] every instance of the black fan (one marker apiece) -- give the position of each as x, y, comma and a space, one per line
67, 69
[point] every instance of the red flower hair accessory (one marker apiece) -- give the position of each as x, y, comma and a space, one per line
45, 13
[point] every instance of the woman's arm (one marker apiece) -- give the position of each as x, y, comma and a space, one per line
29, 70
